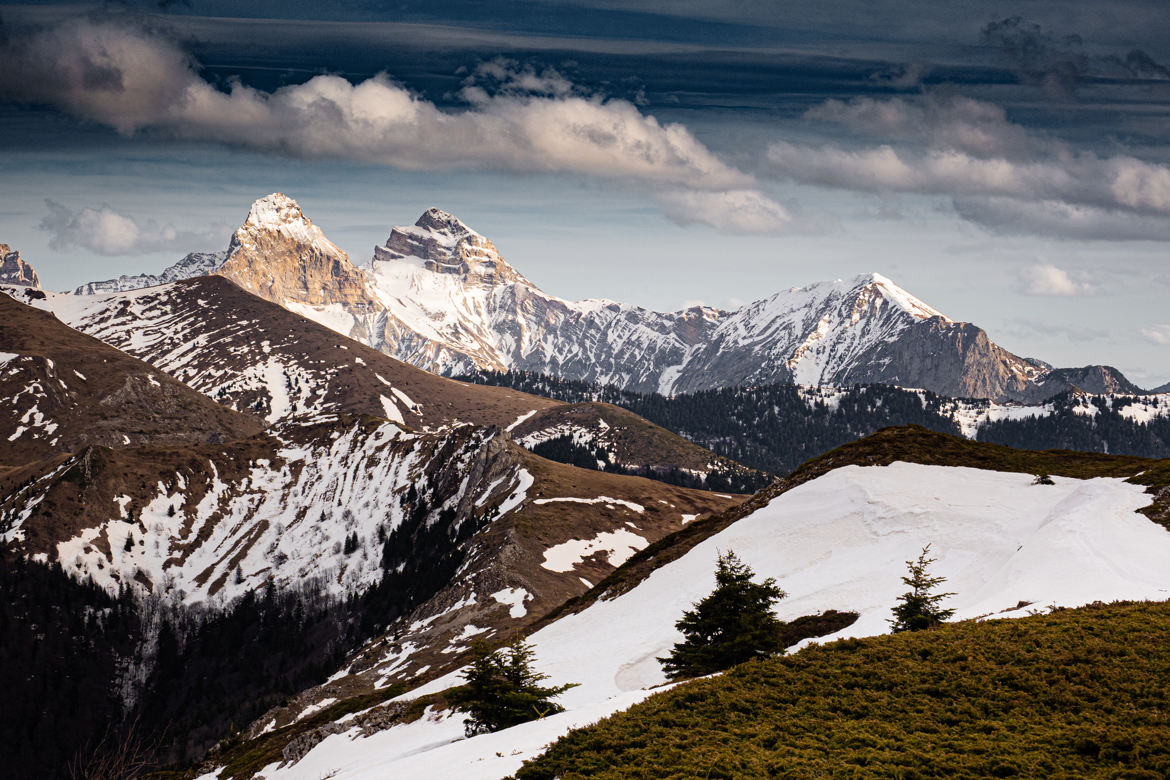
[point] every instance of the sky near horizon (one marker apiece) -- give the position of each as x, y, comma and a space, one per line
1007, 162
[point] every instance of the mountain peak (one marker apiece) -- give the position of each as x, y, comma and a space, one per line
275, 210
436, 220
277, 213
15, 271
279, 254
445, 245
899, 296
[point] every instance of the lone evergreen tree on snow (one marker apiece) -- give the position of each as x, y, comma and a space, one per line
503, 690
919, 608
732, 625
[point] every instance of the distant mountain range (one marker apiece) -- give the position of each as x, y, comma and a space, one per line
440, 296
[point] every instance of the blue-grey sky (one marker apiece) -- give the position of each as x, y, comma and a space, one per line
1008, 162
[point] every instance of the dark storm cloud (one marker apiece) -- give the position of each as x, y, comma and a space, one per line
1060, 63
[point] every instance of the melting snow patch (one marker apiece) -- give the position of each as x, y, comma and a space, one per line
513, 598
599, 500
524, 481
519, 420
404, 398
392, 413
619, 546
687, 518
468, 631
307, 711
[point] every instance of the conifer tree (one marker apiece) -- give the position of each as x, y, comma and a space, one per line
733, 624
503, 689
918, 608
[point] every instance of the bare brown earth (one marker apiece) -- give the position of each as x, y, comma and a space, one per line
92, 394
216, 337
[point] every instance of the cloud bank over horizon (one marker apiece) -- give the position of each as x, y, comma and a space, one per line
134, 79
521, 119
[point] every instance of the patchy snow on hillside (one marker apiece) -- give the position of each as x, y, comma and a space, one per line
617, 545
837, 542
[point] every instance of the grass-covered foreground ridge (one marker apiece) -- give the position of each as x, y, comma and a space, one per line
1074, 693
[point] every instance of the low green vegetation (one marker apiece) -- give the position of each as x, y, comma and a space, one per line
1074, 693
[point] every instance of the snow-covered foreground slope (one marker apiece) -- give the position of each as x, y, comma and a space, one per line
1006, 546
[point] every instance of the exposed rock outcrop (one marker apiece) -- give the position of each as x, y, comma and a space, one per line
15, 271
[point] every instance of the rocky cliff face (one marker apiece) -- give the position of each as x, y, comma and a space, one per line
1098, 380
279, 254
15, 271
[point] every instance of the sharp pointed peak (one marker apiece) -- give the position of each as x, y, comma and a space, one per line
275, 209
14, 270
439, 221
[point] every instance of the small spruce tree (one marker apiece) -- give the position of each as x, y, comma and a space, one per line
733, 624
503, 689
918, 608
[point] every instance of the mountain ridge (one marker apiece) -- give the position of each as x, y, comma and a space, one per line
439, 295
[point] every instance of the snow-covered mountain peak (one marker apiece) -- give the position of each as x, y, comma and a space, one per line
280, 214
275, 210
436, 220
900, 297
445, 245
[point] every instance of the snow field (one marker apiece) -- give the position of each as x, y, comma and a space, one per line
837, 542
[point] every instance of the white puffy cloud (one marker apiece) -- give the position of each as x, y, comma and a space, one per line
997, 174
529, 122
1046, 279
1156, 334
104, 231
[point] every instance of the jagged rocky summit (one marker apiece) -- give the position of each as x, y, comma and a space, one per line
440, 296
15, 271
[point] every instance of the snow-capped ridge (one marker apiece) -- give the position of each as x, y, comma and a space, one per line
441, 243
194, 264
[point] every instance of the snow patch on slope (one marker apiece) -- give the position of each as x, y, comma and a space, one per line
837, 542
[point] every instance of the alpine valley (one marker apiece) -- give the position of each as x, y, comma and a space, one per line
256, 509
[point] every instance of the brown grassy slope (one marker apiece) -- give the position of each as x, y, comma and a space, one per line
237, 330
907, 443
120, 400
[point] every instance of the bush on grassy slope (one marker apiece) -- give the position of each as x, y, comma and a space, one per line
1076, 692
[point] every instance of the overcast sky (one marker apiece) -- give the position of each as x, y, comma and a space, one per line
1008, 163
